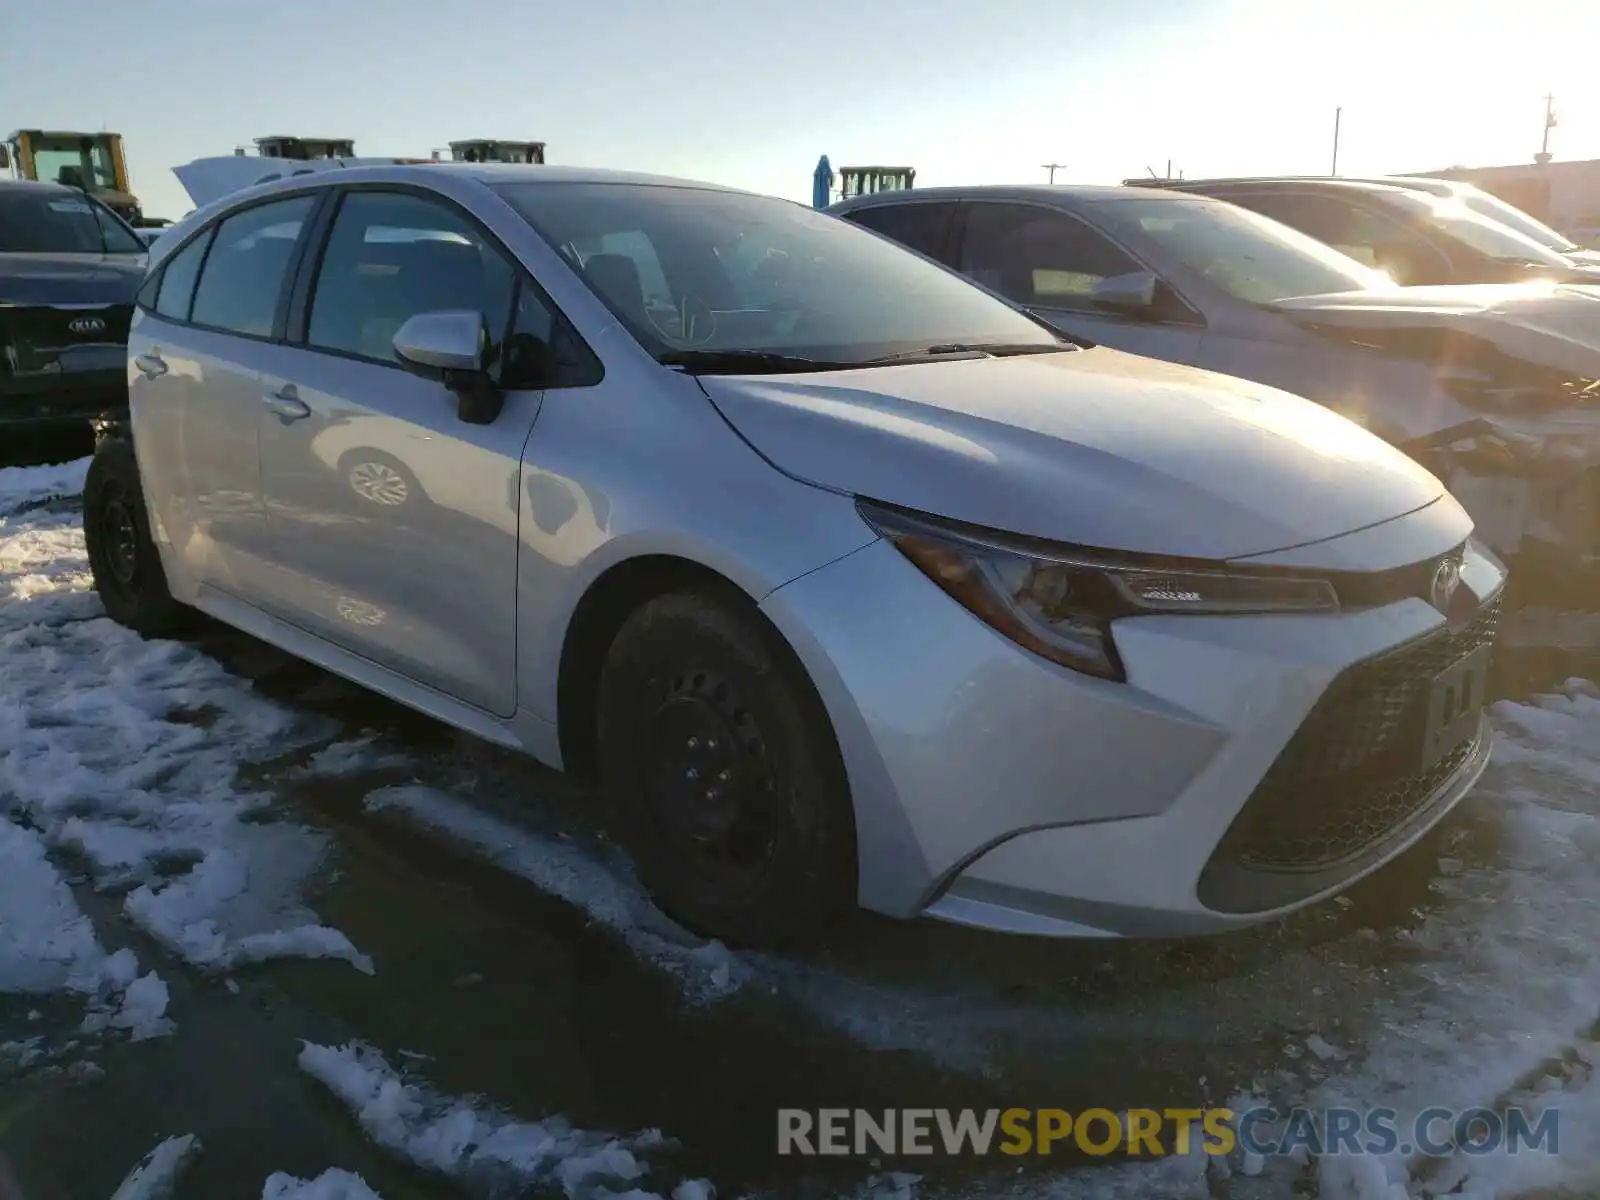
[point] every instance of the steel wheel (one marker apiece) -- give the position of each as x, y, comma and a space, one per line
709, 784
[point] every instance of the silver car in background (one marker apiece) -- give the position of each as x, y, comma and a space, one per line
850, 583
1494, 388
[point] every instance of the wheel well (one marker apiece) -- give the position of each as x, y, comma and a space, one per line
609, 602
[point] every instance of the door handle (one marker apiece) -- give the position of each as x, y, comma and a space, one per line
151, 366
287, 404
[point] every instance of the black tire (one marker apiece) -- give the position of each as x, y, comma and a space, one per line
123, 556
758, 847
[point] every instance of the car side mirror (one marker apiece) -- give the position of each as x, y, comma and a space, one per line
453, 348
1131, 293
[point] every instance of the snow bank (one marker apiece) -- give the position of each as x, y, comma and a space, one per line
476, 1145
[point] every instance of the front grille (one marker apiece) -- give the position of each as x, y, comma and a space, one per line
1352, 772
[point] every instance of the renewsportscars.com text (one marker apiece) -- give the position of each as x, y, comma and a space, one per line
1156, 1132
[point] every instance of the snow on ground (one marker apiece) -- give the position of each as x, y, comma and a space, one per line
606, 891
125, 752
353, 756
332, 1184
474, 1144
157, 1173
1506, 973
23, 487
46, 943
123, 755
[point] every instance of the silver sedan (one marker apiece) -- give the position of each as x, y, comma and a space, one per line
850, 583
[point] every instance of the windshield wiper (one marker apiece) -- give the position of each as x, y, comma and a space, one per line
992, 349
746, 362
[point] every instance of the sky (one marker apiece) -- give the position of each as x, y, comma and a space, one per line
750, 92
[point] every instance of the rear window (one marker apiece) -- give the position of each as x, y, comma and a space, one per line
47, 221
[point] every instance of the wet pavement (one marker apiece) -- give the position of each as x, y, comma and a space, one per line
490, 985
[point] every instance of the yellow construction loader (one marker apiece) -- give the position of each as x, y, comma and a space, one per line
91, 161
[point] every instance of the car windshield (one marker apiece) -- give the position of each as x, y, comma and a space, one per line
1495, 209
1485, 235
1251, 257
46, 221
724, 273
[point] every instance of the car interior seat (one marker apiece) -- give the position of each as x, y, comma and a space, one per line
616, 278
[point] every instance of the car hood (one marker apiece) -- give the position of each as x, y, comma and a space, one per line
32, 279
1552, 325
1094, 448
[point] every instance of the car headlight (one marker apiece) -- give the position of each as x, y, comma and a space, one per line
1060, 603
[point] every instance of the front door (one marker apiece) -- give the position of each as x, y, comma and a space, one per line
394, 521
1048, 262
197, 353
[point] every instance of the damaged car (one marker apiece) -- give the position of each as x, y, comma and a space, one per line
1493, 387
848, 582
69, 268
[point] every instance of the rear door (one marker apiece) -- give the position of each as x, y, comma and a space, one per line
195, 388
394, 522
1049, 262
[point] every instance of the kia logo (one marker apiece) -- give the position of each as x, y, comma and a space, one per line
86, 325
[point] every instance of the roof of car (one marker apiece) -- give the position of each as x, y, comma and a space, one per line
1010, 191
1337, 183
36, 185
531, 173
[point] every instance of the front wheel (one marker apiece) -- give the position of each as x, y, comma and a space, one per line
116, 529
725, 773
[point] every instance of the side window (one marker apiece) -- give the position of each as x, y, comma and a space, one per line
924, 226
1369, 237
1326, 220
1037, 256
178, 279
249, 261
542, 350
392, 255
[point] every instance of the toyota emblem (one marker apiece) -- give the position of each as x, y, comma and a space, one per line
87, 325
1446, 578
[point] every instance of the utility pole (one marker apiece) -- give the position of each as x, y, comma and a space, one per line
1549, 123
1053, 167
1337, 114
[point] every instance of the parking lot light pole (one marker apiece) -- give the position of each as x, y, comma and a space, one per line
1337, 113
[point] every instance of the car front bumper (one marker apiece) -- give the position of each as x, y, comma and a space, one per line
996, 789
